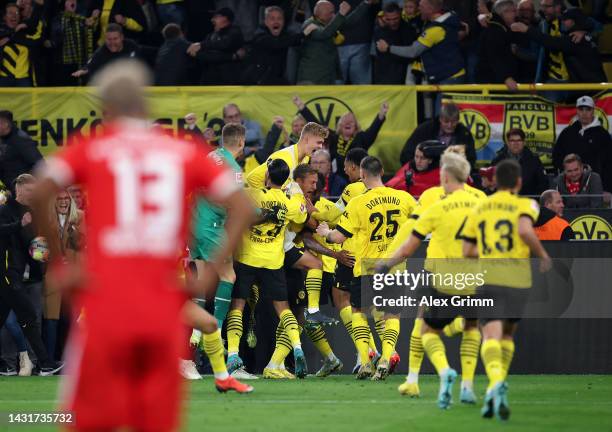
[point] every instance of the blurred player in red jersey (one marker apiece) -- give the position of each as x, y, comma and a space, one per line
122, 360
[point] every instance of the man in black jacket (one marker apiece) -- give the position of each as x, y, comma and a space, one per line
389, 68
587, 138
18, 152
496, 62
582, 58
532, 171
267, 57
221, 53
16, 234
173, 63
115, 47
445, 128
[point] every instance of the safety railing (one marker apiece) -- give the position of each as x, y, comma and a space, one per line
485, 89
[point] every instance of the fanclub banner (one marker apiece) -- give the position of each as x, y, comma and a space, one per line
51, 115
490, 117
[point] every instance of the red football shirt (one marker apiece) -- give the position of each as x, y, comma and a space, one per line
137, 180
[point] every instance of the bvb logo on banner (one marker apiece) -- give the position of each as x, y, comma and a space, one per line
591, 227
328, 110
478, 125
537, 120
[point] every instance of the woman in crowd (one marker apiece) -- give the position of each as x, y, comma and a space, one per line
67, 219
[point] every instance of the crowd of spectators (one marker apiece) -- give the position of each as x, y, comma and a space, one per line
224, 42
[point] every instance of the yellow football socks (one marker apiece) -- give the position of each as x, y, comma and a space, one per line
390, 336
491, 353
507, 346
361, 335
291, 327
234, 331
434, 347
213, 347
416, 350
314, 279
470, 345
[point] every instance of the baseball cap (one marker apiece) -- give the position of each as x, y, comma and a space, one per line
226, 12
585, 101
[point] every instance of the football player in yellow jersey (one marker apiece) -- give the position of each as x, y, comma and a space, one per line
312, 138
297, 260
344, 272
373, 218
444, 220
501, 227
416, 353
260, 260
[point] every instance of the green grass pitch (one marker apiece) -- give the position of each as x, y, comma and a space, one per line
340, 403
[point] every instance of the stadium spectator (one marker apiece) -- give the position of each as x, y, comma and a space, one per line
254, 139
445, 128
355, 41
221, 52
18, 152
267, 56
526, 50
550, 224
496, 62
72, 41
78, 196
173, 64
579, 179
469, 33
422, 172
487, 177
581, 60
534, 180
115, 47
334, 183
16, 69
19, 292
438, 46
127, 14
389, 68
348, 134
170, 11
587, 138
319, 63
32, 16
66, 223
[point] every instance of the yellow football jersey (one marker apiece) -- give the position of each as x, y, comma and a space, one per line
373, 220
436, 193
329, 264
493, 225
445, 220
350, 191
426, 200
257, 177
262, 245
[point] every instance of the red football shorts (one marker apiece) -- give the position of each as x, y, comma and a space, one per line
115, 379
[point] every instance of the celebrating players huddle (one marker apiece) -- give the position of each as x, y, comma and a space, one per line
268, 239
304, 239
